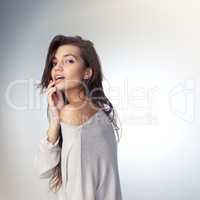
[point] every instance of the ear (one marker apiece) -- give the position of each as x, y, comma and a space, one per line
87, 73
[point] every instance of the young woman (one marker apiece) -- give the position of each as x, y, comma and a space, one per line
79, 152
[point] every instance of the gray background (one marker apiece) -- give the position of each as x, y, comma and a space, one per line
150, 56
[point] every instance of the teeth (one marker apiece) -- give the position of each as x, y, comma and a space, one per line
57, 77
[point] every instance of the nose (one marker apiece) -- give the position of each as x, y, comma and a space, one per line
59, 66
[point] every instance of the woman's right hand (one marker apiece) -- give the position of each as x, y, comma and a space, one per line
55, 102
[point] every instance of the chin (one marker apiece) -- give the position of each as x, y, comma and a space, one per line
60, 86
63, 87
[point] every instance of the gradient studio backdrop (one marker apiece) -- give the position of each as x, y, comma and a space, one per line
150, 56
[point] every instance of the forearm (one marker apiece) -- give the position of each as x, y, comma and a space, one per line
53, 133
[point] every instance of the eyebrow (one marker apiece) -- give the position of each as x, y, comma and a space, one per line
70, 54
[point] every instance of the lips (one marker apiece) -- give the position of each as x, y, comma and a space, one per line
59, 77
58, 80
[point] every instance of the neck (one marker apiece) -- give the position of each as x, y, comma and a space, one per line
76, 97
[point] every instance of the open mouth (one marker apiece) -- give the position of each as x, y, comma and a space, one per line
58, 78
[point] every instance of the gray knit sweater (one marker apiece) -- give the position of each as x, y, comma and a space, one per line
89, 162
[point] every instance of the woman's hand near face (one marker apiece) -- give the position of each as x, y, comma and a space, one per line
55, 102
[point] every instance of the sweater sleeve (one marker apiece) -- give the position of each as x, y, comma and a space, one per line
47, 157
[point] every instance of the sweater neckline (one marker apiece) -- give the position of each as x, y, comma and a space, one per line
62, 123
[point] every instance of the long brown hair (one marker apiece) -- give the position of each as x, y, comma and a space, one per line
91, 59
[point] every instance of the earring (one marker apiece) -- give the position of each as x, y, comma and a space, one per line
86, 76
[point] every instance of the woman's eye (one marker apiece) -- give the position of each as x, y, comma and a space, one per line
70, 61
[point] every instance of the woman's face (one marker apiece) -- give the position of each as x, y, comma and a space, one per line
69, 66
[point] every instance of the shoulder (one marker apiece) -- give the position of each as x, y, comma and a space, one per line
75, 115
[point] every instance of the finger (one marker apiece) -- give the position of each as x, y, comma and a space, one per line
50, 99
50, 87
59, 93
51, 83
51, 90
